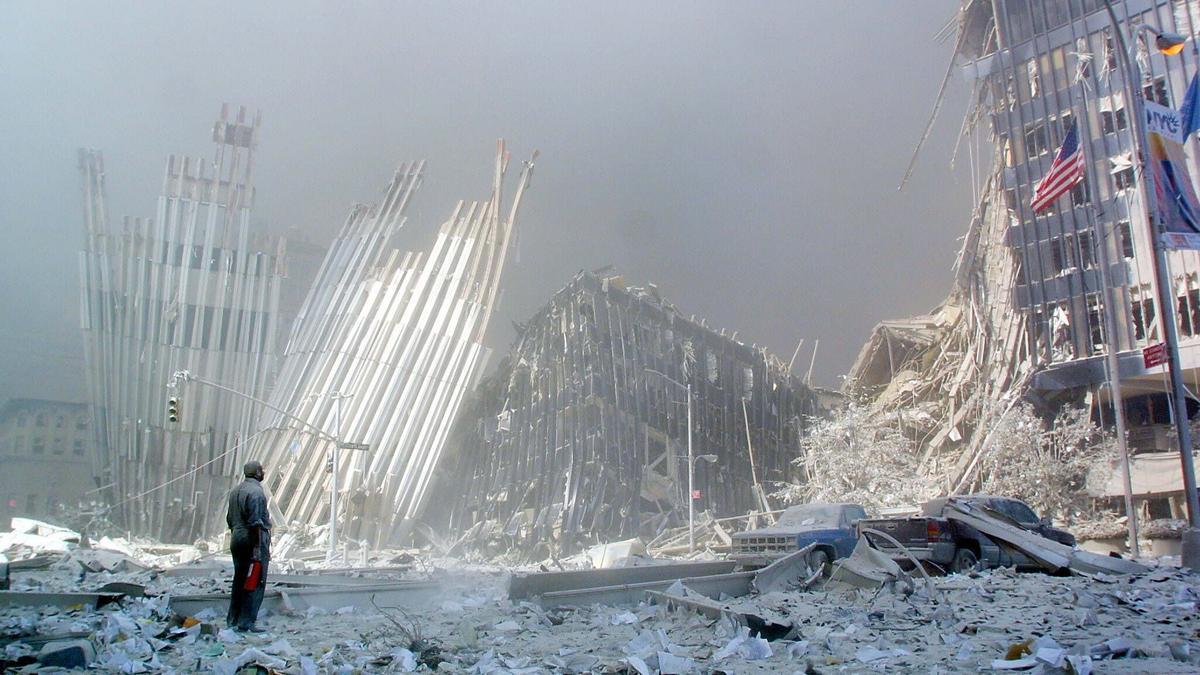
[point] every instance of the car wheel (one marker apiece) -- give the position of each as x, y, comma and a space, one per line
965, 560
819, 560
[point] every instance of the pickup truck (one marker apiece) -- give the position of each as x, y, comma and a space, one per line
955, 546
830, 526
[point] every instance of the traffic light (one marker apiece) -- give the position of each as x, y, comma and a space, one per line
173, 409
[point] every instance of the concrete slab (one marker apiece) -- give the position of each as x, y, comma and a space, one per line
524, 586
404, 594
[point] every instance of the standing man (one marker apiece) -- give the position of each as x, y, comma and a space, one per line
250, 542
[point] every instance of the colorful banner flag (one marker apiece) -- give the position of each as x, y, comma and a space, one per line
1190, 111
1178, 208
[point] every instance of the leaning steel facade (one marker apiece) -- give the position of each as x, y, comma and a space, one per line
381, 354
191, 289
580, 438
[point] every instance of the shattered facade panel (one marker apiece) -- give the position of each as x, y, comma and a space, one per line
579, 438
193, 288
382, 352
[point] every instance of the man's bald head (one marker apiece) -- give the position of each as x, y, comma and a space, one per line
253, 470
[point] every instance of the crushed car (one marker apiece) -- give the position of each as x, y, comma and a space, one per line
952, 546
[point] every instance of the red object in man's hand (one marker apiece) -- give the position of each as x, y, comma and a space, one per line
254, 576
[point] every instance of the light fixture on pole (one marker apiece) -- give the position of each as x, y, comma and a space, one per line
1168, 43
692, 496
691, 462
335, 458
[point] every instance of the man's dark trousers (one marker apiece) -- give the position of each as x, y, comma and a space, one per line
243, 604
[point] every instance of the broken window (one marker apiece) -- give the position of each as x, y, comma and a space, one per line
1189, 313
1126, 234
1112, 121
712, 366
1083, 60
1095, 330
81, 423
39, 446
41, 419
1156, 90
59, 446
1036, 139
1065, 120
1143, 318
1123, 178
1087, 255
1060, 256
1110, 54
1079, 194
77, 448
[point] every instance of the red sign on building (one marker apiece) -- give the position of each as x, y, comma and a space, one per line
695, 494
1154, 355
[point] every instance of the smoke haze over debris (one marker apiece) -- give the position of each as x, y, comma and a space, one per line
742, 157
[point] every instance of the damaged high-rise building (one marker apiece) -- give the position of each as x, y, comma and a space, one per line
194, 288
582, 434
1026, 319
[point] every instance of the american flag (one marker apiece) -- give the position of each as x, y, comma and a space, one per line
1065, 172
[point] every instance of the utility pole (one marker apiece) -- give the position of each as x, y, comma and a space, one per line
691, 477
336, 438
1166, 300
691, 460
335, 461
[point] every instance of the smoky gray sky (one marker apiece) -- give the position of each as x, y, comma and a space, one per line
742, 156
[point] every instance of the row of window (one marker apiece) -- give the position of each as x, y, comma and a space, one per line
1142, 314
17, 446
240, 329
1037, 135
60, 421
1077, 250
1187, 316
214, 259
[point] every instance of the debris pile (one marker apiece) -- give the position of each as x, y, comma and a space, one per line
859, 456
656, 617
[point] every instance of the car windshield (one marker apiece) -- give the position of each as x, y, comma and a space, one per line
811, 516
1020, 512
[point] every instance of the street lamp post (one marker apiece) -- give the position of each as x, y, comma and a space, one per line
690, 460
337, 397
336, 437
1170, 44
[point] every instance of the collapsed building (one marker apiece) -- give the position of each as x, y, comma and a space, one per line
582, 435
381, 354
1028, 316
194, 288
